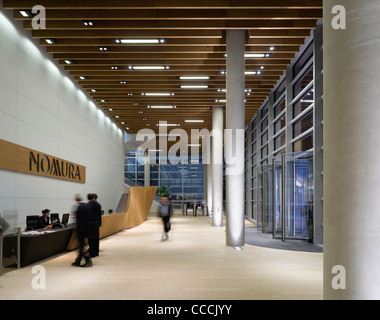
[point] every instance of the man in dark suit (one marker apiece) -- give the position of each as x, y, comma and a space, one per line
96, 216
83, 218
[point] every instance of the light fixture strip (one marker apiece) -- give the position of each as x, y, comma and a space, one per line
194, 87
148, 67
194, 78
157, 94
140, 41
162, 107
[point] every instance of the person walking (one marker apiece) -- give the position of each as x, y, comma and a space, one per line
83, 218
96, 216
165, 213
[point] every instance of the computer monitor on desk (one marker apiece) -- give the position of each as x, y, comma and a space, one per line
54, 219
65, 219
32, 222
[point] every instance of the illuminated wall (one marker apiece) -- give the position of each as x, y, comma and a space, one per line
42, 109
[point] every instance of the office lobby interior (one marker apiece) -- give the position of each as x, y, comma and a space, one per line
259, 120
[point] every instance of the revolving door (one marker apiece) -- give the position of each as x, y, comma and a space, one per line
286, 197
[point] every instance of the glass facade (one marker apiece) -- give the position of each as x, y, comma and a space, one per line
186, 181
282, 152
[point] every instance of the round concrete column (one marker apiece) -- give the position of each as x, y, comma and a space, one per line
351, 149
147, 170
217, 166
234, 138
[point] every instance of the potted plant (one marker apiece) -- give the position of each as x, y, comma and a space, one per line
164, 191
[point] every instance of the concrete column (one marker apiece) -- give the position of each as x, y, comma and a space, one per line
217, 166
235, 124
351, 150
147, 170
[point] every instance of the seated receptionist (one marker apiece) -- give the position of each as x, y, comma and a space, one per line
44, 221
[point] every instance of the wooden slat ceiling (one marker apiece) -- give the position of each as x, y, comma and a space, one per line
193, 44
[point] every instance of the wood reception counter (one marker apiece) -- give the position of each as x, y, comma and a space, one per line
137, 209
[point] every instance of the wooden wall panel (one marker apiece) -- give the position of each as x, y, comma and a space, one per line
21, 159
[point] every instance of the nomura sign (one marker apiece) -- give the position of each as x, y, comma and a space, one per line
17, 158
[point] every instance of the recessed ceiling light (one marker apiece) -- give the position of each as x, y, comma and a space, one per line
124, 82
162, 107
26, 13
94, 90
117, 117
83, 77
254, 55
267, 55
123, 122
103, 100
163, 124
271, 48
194, 78
251, 55
139, 41
88, 23
114, 67
103, 48
262, 67
194, 87
225, 90
157, 94
50, 41
250, 72
147, 67
69, 61
110, 109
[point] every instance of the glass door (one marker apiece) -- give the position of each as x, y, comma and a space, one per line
268, 198
299, 196
260, 198
278, 195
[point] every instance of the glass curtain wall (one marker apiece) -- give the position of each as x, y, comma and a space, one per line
280, 144
186, 181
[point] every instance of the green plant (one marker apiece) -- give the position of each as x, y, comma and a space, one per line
164, 191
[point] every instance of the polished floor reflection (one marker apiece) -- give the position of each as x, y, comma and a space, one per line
193, 264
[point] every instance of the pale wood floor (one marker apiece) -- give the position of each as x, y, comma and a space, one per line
194, 264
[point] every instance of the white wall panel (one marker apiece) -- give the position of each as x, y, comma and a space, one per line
42, 109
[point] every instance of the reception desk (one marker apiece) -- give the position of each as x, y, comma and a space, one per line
137, 209
40, 244
36, 245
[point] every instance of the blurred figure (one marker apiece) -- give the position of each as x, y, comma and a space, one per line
165, 213
96, 217
83, 218
44, 221
4, 225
